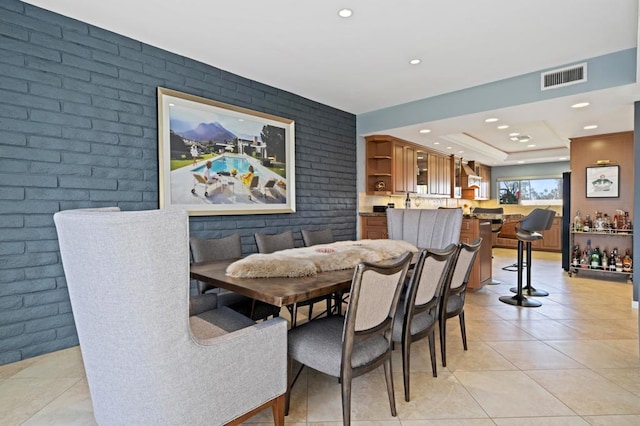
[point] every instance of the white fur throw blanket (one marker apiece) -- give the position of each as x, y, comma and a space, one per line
306, 261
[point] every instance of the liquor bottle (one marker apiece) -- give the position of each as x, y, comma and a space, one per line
577, 222
605, 261
627, 262
583, 259
589, 250
612, 259
618, 263
595, 258
575, 256
407, 202
586, 225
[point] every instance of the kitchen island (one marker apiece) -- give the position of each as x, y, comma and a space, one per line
374, 225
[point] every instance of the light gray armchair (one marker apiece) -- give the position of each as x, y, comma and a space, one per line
433, 229
147, 361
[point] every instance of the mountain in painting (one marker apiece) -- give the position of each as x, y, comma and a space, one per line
179, 126
208, 132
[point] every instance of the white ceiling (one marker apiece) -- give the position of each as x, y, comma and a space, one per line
361, 64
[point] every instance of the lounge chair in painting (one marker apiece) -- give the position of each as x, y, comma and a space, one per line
268, 186
200, 180
253, 186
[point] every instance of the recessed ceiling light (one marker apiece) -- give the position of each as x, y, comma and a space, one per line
514, 134
415, 61
449, 147
345, 13
562, 158
521, 162
521, 138
460, 152
503, 126
436, 143
590, 127
531, 146
425, 131
491, 120
580, 105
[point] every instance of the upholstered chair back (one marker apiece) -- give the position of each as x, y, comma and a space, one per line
128, 279
434, 229
268, 243
322, 236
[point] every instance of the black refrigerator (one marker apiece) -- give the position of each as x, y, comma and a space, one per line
566, 219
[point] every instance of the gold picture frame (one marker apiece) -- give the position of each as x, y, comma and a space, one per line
220, 159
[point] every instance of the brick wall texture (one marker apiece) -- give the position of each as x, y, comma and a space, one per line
78, 128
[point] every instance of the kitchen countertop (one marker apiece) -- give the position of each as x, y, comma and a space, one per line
372, 214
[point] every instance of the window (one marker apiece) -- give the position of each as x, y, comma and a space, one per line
531, 191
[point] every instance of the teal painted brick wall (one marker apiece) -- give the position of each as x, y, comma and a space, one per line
78, 129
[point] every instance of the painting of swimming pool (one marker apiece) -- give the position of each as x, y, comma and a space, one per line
221, 159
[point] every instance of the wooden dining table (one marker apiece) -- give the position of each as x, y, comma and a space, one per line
278, 291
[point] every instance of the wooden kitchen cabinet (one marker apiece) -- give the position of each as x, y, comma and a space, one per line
395, 166
552, 238
379, 156
439, 175
456, 176
374, 227
484, 193
404, 168
481, 272
391, 166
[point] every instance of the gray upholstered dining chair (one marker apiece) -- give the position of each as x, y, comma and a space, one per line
417, 314
321, 236
454, 293
434, 229
229, 247
269, 243
347, 347
152, 356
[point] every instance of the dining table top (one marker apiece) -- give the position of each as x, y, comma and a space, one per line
278, 291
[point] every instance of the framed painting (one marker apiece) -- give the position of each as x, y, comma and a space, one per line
220, 159
603, 182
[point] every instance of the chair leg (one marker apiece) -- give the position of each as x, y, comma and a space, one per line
389, 379
329, 308
278, 411
406, 365
432, 352
289, 385
293, 309
519, 299
345, 383
529, 289
463, 330
443, 340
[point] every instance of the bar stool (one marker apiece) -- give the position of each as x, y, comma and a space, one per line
528, 231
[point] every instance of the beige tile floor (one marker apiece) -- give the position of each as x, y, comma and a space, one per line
573, 361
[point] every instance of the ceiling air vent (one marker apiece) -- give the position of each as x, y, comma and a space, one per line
564, 77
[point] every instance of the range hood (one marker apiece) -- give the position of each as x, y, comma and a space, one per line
470, 180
